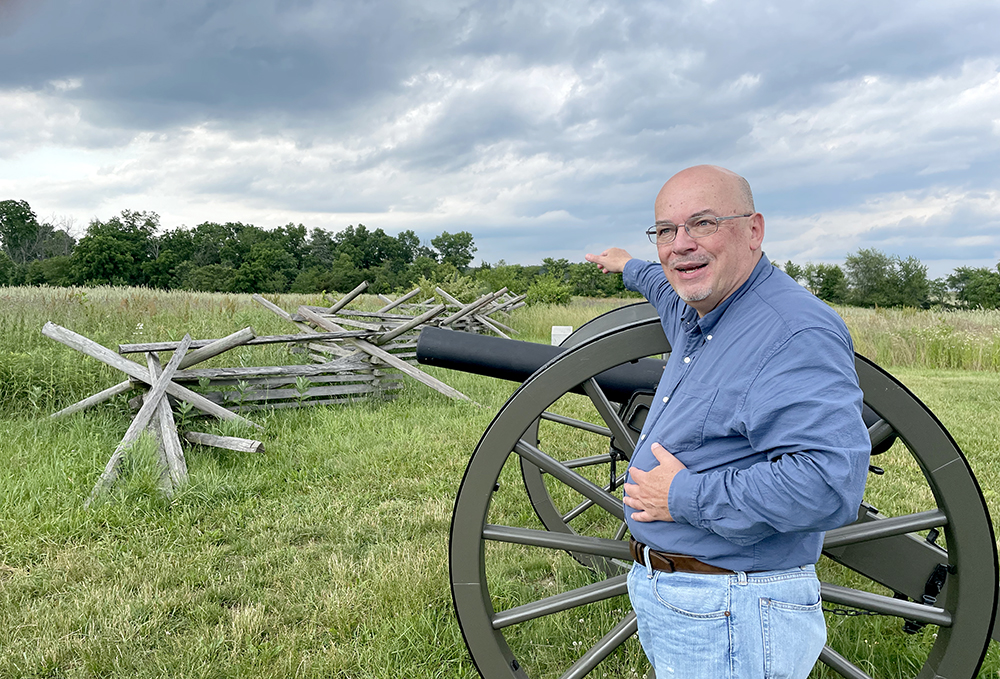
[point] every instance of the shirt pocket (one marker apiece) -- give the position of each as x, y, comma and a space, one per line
689, 408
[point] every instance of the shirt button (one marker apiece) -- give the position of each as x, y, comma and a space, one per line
642, 437
709, 337
666, 398
687, 359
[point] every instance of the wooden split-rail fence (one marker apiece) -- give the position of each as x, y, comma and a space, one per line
354, 355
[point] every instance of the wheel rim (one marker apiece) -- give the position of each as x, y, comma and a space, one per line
962, 617
551, 516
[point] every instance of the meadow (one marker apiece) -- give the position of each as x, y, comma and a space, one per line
325, 556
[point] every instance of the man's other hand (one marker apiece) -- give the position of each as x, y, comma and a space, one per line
649, 491
612, 260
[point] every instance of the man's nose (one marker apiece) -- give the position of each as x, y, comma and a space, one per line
683, 242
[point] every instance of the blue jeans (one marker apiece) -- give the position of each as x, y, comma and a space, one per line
765, 625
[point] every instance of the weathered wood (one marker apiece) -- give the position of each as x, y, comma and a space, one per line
254, 395
330, 367
401, 300
164, 482
406, 327
347, 298
509, 305
344, 400
156, 392
448, 298
384, 318
507, 328
485, 321
105, 355
267, 304
227, 442
99, 397
332, 349
218, 346
266, 339
175, 467
275, 382
399, 364
374, 327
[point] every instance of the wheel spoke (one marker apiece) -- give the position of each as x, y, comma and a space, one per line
878, 603
578, 424
588, 461
626, 438
603, 648
612, 549
841, 665
587, 504
588, 594
884, 528
578, 483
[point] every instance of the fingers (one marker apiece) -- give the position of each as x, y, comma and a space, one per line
611, 260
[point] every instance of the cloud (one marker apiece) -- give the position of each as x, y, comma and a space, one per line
543, 128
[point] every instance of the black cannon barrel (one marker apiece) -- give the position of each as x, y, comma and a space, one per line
515, 361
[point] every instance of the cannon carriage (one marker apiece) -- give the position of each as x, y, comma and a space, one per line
545, 555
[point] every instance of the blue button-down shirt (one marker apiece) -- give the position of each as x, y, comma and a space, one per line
760, 400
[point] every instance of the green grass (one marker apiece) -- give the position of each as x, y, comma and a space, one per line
325, 556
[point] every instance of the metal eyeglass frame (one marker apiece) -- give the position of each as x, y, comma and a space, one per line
651, 232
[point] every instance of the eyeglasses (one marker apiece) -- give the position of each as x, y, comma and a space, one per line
699, 226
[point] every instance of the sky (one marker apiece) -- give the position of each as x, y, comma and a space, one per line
545, 129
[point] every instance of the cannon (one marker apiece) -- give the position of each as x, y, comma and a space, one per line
544, 556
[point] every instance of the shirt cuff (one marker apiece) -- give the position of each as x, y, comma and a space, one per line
683, 498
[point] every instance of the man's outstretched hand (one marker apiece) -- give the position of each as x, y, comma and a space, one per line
649, 491
611, 260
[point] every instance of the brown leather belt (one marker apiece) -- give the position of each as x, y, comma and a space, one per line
670, 563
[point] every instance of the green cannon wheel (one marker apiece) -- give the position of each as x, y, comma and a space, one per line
536, 600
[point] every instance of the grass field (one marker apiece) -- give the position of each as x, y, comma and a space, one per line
326, 556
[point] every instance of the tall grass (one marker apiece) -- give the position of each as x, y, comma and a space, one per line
965, 340
326, 556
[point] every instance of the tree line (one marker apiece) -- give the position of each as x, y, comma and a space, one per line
130, 249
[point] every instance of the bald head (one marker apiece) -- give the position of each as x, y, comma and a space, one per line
718, 183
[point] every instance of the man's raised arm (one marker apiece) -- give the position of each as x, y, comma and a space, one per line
612, 260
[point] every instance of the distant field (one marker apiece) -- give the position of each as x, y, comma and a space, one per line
327, 555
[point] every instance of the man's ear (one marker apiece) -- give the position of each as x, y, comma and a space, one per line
756, 230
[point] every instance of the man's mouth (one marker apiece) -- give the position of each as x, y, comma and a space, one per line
688, 267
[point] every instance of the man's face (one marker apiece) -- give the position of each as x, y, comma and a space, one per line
704, 271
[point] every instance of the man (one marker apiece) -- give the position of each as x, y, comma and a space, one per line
754, 444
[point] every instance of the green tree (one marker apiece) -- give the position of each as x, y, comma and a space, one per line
456, 249
6, 269
549, 289
794, 270
869, 277
114, 252
976, 287
514, 277
912, 287
826, 281
586, 280
267, 268
19, 229
877, 279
